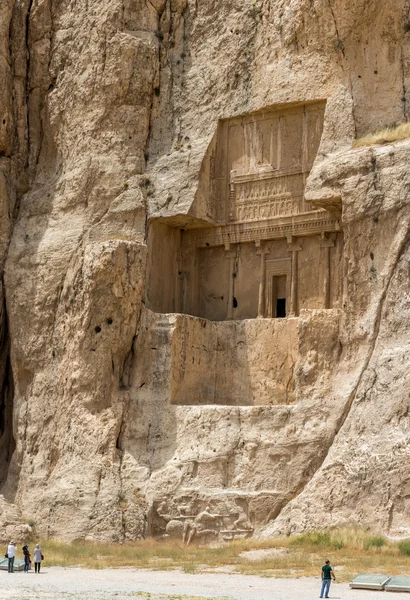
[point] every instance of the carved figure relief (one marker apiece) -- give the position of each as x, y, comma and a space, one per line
269, 156
192, 524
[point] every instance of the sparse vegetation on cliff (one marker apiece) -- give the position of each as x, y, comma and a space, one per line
384, 136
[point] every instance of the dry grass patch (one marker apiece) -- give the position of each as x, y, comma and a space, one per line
351, 550
384, 136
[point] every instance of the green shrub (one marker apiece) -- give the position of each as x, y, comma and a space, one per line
319, 539
313, 538
404, 547
376, 541
337, 544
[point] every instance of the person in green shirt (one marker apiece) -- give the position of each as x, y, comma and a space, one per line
327, 575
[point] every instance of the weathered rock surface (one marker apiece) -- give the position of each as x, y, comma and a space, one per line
364, 477
12, 522
118, 420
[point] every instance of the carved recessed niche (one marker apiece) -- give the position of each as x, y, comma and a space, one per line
251, 245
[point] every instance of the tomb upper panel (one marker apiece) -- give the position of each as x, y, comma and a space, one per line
261, 161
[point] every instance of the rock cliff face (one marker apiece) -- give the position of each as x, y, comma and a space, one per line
169, 171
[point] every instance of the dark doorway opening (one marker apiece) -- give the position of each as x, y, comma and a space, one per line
279, 295
280, 308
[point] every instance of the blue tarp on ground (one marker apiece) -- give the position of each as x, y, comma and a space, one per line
18, 564
369, 582
400, 583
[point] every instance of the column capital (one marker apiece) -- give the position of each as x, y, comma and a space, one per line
230, 250
293, 246
325, 241
262, 249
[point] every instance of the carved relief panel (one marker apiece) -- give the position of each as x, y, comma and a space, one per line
261, 162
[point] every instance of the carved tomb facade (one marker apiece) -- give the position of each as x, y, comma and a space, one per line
252, 247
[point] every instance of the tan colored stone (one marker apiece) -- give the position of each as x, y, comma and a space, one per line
119, 420
12, 524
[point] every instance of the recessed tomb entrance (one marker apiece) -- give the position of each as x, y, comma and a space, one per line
279, 296
251, 246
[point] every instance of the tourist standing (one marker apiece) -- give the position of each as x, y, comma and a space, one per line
38, 557
327, 575
27, 559
11, 552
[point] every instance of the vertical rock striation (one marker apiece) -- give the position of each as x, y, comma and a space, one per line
76, 261
109, 113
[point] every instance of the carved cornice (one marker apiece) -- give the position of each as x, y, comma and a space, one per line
305, 224
266, 172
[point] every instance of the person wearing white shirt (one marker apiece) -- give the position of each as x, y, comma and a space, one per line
11, 551
38, 557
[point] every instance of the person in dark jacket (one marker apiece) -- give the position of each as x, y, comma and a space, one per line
27, 558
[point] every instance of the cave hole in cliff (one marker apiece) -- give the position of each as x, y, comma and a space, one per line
7, 442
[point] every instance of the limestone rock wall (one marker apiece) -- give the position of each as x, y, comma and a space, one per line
107, 110
76, 260
365, 468
258, 451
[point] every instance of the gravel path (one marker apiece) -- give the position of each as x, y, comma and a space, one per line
58, 583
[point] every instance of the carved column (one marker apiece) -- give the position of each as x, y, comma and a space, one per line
325, 245
262, 252
231, 207
179, 276
294, 248
230, 255
195, 283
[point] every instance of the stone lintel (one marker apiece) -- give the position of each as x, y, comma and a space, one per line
307, 224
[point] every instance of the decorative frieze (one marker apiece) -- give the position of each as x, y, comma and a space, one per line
313, 223
265, 195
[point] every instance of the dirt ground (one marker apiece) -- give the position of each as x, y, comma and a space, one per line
56, 583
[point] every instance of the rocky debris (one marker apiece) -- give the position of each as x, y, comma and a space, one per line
12, 523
